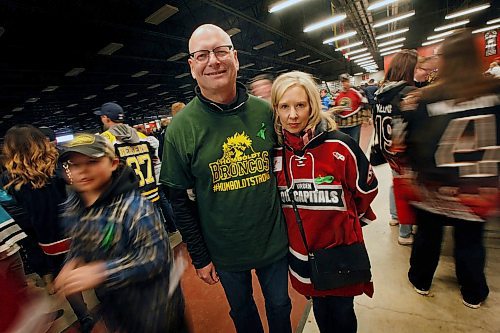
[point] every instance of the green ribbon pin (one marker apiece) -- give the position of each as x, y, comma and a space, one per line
322, 180
262, 132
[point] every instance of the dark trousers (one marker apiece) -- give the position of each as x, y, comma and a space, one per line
469, 254
273, 280
335, 314
353, 131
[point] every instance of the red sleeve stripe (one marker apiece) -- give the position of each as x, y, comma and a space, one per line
53, 249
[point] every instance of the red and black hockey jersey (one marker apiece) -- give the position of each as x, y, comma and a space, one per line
454, 147
333, 185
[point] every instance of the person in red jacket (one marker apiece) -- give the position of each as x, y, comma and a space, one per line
349, 103
333, 185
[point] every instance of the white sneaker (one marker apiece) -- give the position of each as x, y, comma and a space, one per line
472, 306
393, 222
405, 241
421, 291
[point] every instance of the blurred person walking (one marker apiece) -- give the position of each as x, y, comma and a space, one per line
31, 160
397, 83
119, 245
453, 142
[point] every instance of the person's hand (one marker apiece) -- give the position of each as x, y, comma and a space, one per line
208, 274
79, 278
63, 274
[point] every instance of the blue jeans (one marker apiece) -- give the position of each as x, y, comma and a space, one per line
335, 314
353, 131
273, 280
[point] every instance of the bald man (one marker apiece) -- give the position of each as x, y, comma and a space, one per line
219, 147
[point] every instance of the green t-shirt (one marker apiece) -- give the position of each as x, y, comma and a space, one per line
226, 157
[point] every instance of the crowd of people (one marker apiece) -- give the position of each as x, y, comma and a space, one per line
273, 182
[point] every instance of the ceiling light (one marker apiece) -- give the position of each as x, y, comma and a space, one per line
349, 46
180, 76
263, 45
394, 19
356, 51
283, 70
366, 62
325, 23
131, 95
143, 100
72, 105
394, 41
113, 86
139, 74
161, 14
163, 93
19, 108
302, 58
7, 116
282, 5
467, 11
90, 97
339, 37
185, 85
233, 31
390, 48
363, 55
32, 100
489, 22
393, 33
360, 73
314, 61
441, 35
247, 65
267, 68
177, 56
154, 86
110, 49
390, 52
50, 88
75, 71
363, 59
433, 42
491, 27
452, 25
282, 54
379, 4
187, 92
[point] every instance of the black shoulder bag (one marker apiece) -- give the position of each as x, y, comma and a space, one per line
334, 267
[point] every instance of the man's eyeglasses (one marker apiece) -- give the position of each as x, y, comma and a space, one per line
220, 52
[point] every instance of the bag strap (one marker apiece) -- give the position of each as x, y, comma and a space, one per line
294, 204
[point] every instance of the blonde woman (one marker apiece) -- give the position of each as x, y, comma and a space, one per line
31, 161
325, 180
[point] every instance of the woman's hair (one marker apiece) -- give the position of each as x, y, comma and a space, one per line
306, 81
29, 157
460, 72
177, 107
402, 67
